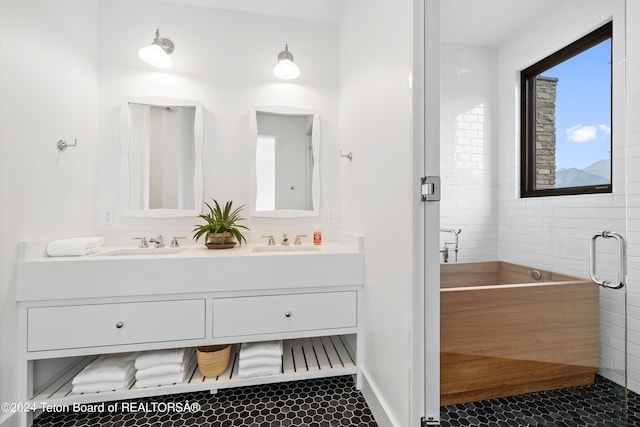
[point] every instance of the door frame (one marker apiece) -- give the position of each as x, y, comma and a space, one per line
426, 219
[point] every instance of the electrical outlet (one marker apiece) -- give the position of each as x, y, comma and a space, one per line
107, 216
331, 216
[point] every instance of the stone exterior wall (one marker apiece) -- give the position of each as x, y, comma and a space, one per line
546, 132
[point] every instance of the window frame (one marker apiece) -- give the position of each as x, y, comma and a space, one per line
528, 116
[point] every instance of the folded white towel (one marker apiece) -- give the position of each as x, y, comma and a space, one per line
265, 348
103, 386
75, 246
113, 368
174, 378
152, 358
166, 369
259, 371
257, 361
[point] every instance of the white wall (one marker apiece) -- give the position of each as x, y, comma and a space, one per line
554, 232
48, 91
375, 125
468, 150
224, 59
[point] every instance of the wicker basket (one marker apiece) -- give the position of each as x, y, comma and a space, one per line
213, 359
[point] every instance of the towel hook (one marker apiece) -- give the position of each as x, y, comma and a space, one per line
349, 155
62, 144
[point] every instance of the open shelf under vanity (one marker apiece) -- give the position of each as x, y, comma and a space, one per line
304, 358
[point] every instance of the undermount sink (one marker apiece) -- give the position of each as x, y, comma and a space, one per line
287, 248
144, 251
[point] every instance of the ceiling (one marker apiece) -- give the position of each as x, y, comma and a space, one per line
488, 23
313, 10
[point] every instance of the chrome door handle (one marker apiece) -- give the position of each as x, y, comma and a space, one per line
619, 283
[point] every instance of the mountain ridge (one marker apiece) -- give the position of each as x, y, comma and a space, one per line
598, 173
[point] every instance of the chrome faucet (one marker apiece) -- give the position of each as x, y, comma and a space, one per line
445, 248
158, 241
143, 242
174, 241
298, 241
285, 240
445, 253
272, 241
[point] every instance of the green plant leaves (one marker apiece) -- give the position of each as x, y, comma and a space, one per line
221, 220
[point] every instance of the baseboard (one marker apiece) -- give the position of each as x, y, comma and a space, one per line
9, 419
379, 408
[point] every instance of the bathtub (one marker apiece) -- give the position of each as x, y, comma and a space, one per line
504, 333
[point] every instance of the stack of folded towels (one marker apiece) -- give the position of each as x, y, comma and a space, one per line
107, 372
75, 246
260, 358
163, 367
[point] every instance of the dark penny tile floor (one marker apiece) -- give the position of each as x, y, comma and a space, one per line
325, 402
330, 402
598, 405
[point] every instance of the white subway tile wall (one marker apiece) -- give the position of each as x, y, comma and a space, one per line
468, 156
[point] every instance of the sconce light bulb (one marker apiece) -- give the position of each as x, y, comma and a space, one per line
157, 53
286, 69
156, 56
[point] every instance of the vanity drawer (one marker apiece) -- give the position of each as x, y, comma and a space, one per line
77, 326
274, 314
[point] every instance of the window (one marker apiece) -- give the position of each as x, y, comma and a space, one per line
566, 120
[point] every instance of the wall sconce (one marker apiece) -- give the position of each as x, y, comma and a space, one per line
286, 69
157, 53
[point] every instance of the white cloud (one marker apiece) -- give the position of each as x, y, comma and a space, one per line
581, 133
606, 129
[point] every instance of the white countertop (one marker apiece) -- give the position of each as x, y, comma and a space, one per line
195, 269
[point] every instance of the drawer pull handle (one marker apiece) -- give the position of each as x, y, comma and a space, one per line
119, 325
287, 314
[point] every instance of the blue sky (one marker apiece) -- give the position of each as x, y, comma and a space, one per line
583, 107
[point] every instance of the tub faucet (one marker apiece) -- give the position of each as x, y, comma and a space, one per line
445, 253
285, 240
445, 249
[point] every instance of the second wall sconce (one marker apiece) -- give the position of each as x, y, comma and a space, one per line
286, 69
157, 53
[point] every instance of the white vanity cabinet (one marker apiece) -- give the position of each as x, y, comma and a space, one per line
315, 313
63, 327
258, 316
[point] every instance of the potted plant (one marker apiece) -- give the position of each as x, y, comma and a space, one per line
221, 226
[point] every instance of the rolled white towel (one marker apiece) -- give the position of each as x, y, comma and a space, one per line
153, 358
257, 361
75, 246
166, 369
112, 368
263, 349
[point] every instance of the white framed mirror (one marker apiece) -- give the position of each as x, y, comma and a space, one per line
285, 167
161, 143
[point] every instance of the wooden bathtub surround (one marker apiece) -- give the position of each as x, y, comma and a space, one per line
502, 333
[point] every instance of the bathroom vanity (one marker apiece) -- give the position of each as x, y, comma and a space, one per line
127, 300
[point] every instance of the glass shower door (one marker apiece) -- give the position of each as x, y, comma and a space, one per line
531, 315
